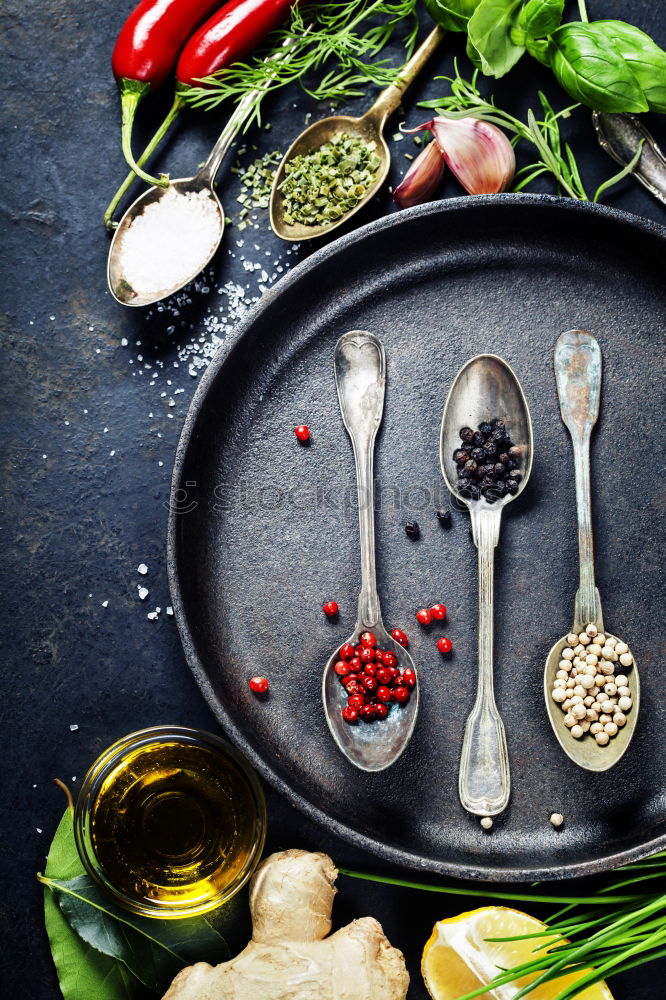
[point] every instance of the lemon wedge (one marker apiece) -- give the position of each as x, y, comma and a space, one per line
459, 958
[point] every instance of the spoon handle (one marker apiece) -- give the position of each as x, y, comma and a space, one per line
360, 376
484, 782
243, 109
390, 98
577, 363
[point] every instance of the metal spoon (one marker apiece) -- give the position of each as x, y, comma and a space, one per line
369, 128
578, 375
484, 388
121, 288
360, 376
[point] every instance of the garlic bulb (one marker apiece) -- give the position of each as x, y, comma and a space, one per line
423, 177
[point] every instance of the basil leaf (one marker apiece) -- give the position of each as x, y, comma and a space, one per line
490, 33
540, 18
452, 15
153, 950
83, 973
590, 68
646, 59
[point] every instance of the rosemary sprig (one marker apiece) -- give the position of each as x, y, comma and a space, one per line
332, 54
555, 157
598, 935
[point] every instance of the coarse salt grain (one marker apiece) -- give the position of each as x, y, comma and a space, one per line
143, 593
142, 569
170, 241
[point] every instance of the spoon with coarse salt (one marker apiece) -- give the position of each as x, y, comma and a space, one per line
591, 682
168, 235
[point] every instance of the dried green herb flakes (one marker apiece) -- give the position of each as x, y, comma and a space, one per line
321, 186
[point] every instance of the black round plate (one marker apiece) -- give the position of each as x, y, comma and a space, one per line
263, 530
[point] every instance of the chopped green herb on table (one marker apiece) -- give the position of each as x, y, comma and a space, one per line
323, 185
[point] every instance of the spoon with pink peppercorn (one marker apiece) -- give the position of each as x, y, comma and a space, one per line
591, 681
369, 688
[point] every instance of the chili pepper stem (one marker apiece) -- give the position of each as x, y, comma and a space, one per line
131, 93
174, 111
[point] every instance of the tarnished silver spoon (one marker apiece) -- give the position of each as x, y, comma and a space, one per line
485, 388
577, 362
360, 376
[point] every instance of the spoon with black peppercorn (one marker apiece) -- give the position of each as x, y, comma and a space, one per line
485, 386
375, 744
593, 738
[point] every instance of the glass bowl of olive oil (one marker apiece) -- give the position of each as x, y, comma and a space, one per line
170, 821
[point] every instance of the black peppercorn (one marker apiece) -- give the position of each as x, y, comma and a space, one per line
499, 468
511, 464
478, 454
512, 486
460, 456
498, 425
474, 492
444, 518
485, 429
503, 458
470, 466
412, 529
490, 449
466, 434
501, 489
514, 452
478, 439
516, 476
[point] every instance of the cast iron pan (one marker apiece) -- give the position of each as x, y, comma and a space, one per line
262, 530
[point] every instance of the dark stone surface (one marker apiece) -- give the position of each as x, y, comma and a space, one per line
78, 519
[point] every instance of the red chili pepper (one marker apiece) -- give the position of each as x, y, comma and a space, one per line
146, 52
226, 38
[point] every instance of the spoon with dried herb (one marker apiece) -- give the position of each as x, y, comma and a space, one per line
336, 165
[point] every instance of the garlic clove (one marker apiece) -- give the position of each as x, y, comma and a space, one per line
478, 153
422, 179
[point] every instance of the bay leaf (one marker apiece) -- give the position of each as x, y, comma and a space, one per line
153, 950
83, 972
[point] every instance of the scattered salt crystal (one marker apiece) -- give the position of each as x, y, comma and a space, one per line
124, 342
73, 727
38, 829
105, 604
112, 453
170, 241
152, 615
143, 593
169, 610
142, 568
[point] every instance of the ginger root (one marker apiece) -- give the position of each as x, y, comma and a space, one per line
290, 957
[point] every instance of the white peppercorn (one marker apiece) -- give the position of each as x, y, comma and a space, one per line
572, 639
577, 732
486, 823
620, 719
558, 695
567, 654
594, 648
611, 728
603, 719
611, 640
569, 720
610, 688
557, 819
624, 692
595, 728
591, 629
626, 659
561, 675
578, 711
621, 680
585, 639
624, 704
621, 647
602, 738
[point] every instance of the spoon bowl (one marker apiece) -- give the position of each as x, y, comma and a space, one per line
586, 752
369, 128
119, 284
372, 746
485, 388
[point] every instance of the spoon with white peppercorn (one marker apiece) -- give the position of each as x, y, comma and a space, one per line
591, 681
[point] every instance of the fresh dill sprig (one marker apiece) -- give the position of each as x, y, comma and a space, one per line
329, 49
555, 157
599, 934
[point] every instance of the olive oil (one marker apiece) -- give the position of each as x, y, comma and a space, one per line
175, 824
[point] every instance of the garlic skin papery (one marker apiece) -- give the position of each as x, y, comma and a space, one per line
478, 154
423, 177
